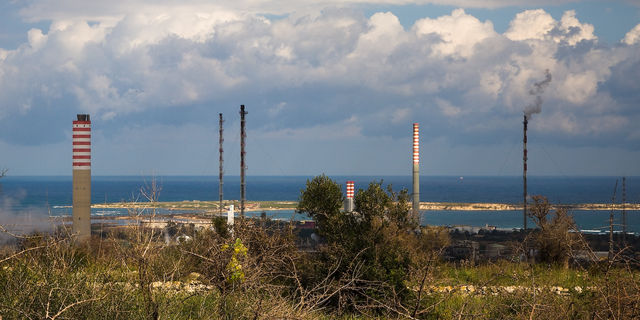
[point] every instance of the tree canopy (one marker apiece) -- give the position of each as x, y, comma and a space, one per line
380, 236
322, 200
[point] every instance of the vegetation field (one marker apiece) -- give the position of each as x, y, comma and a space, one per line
374, 263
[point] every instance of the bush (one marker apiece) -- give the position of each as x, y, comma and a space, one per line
371, 252
554, 239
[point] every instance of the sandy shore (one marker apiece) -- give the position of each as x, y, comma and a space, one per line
507, 207
196, 205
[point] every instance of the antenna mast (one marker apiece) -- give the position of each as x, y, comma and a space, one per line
221, 161
613, 200
624, 209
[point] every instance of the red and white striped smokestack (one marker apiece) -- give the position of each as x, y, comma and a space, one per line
348, 204
350, 189
416, 172
416, 143
82, 177
82, 145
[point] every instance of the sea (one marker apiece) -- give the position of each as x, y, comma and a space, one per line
52, 195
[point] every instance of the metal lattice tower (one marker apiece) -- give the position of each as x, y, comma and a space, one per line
221, 161
243, 166
613, 201
524, 173
624, 209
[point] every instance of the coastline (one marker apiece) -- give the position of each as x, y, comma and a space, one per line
253, 206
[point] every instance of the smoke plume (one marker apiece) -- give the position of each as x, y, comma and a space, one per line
536, 91
20, 220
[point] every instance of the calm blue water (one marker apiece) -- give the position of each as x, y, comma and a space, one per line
25, 194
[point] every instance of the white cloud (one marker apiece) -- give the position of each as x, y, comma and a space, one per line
579, 87
458, 32
573, 31
633, 36
330, 64
382, 28
530, 24
36, 39
540, 25
491, 83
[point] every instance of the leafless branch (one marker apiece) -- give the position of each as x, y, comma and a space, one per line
71, 306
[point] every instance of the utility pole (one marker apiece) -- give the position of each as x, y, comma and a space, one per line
243, 136
221, 161
613, 200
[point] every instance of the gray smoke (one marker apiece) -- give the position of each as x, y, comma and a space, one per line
536, 91
19, 220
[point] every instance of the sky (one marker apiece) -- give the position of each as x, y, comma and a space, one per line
330, 86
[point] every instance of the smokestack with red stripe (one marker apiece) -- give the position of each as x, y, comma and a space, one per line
82, 177
416, 172
348, 204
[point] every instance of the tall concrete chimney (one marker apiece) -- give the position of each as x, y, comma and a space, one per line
348, 203
416, 172
82, 177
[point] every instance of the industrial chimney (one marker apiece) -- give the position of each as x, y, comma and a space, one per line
348, 203
416, 172
221, 161
82, 177
243, 166
524, 173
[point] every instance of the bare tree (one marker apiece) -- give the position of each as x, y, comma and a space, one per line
145, 241
557, 236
